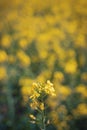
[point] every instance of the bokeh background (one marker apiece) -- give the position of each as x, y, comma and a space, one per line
41, 40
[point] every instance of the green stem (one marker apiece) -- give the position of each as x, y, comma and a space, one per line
43, 120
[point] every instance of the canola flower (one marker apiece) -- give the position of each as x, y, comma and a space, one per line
40, 89
56, 29
39, 92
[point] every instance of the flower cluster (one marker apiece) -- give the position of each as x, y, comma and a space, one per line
40, 90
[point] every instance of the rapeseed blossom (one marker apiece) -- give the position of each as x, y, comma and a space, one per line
40, 90
39, 93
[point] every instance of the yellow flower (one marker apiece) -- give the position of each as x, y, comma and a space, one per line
6, 41
35, 85
26, 90
3, 73
38, 89
82, 90
32, 116
49, 83
23, 43
23, 58
42, 106
35, 95
84, 76
49, 89
58, 76
80, 41
80, 110
34, 105
3, 56
71, 67
25, 81
64, 91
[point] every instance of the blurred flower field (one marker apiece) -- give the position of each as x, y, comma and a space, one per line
40, 41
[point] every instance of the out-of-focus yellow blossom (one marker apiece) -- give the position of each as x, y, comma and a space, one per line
25, 81
3, 73
3, 56
12, 15
70, 27
80, 7
23, 43
56, 46
63, 125
6, 41
81, 110
42, 49
54, 116
24, 59
25, 90
27, 10
82, 89
59, 34
80, 41
56, 119
64, 91
43, 39
43, 54
71, 53
58, 76
51, 61
61, 53
49, 20
84, 76
52, 102
43, 75
71, 66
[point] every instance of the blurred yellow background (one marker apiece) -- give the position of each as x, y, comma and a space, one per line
42, 40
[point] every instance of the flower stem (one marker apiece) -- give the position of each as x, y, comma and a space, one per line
43, 120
